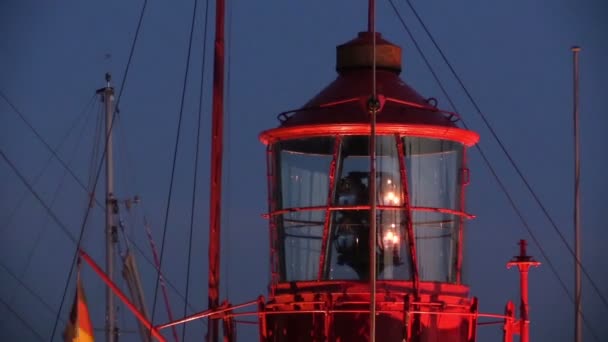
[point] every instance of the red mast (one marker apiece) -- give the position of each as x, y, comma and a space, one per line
523, 262
215, 200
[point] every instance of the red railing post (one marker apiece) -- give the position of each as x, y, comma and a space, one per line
523, 263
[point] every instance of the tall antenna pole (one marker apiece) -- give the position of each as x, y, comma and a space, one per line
215, 200
578, 327
108, 99
373, 109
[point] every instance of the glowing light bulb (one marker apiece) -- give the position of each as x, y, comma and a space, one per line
391, 198
391, 238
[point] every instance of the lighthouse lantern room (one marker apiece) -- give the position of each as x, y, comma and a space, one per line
320, 189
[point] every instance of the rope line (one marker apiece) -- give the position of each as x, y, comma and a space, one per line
510, 158
122, 87
196, 153
66, 231
22, 320
174, 163
7, 222
42, 230
491, 168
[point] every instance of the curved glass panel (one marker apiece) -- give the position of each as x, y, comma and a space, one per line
303, 232
433, 168
310, 172
350, 226
433, 171
303, 166
436, 245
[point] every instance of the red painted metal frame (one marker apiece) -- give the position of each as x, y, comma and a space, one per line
419, 106
408, 213
104, 277
467, 138
460, 248
367, 207
330, 194
217, 136
206, 314
273, 229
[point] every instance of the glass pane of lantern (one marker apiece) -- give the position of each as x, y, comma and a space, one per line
436, 245
304, 183
433, 167
304, 166
303, 233
349, 249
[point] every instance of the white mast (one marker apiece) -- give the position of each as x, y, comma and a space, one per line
578, 307
110, 228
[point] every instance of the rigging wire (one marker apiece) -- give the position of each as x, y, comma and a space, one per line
37, 196
69, 234
49, 210
43, 227
27, 288
122, 87
509, 157
49, 147
22, 320
491, 168
83, 114
63, 227
196, 153
174, 163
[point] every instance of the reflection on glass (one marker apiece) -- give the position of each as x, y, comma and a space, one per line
432, 168
304, 169
351, 226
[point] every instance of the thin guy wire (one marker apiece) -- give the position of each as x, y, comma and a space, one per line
197, 146
99, 204
174, 163
33, 293
122, 87
42, 229
511, 160
49, 147
25, 323
64, 228
47, 163
490, 168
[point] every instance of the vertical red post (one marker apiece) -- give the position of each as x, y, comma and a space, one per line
215, 200
523, 263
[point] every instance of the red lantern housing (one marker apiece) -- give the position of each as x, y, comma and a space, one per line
319, 177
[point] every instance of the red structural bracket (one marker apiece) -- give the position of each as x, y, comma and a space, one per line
206, 314
367, 207
104, 277
330, 196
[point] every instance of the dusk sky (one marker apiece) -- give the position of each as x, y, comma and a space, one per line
513, 56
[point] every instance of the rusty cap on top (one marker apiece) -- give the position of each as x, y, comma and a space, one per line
358, 53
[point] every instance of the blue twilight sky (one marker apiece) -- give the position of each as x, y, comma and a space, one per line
514, 57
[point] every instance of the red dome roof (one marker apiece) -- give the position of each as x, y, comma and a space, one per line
341, 108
